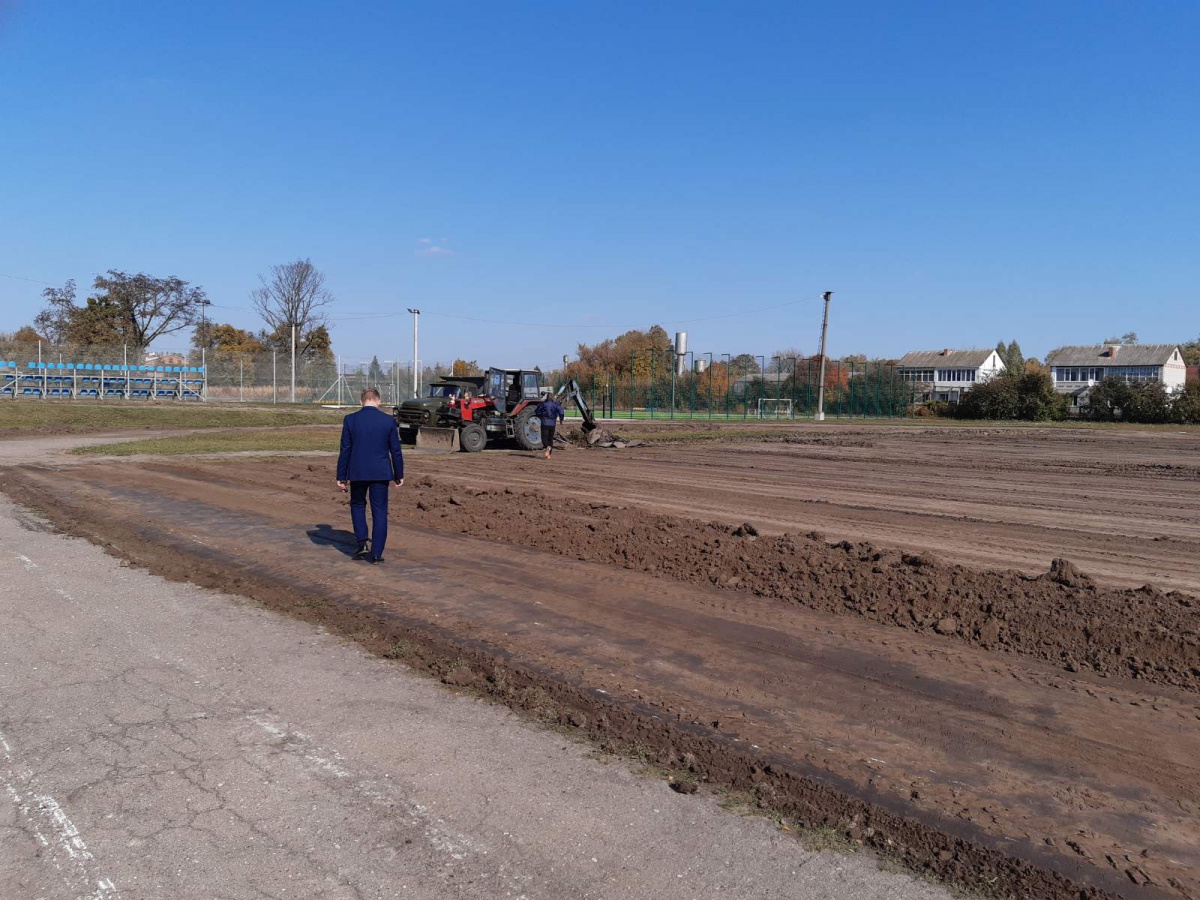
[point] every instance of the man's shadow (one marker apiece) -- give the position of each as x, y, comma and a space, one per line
327, 536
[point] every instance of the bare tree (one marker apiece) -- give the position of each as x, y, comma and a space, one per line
294, 295
783, 360
149, 307
55, 320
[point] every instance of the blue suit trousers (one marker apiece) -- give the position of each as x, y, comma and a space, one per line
378, 493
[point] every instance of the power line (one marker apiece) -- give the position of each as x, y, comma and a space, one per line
747, 312
23, 278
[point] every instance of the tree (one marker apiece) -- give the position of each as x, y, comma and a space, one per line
1115, 399
26, 335
1011, 356
1129, 337
745, 364
1029, 397
313, 344
294, 296
1191, 352
148, 307
1187, 404
782, 360
55, 320
374, 372
464, 367
219, 338
99, 322
638, 352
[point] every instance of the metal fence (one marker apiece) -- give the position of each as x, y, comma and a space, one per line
33, 370
651, 384
661, 386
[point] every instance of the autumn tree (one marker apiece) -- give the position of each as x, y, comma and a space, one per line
220, 338
465, 367
26, 335
636, 352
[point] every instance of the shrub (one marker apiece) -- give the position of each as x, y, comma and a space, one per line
1187, 404
1114, 400
1024, 396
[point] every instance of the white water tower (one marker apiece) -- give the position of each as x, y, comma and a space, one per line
680, 352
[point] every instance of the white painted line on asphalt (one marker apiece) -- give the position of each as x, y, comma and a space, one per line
440, 838
29, 564
64, 835
68, 835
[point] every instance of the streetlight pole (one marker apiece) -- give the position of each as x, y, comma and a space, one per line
293, 362
820, 416
416, 314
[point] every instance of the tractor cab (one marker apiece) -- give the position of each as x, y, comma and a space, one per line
510, 388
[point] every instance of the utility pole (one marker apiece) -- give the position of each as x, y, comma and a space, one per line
820, 417
416, 314
293, 362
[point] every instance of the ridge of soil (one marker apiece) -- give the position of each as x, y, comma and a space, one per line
1061, 616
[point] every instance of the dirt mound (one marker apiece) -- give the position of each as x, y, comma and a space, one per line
1061, 616
599, 438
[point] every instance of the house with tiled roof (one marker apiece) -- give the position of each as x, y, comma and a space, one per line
947, 374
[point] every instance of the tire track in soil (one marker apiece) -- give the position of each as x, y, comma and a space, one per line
961, 710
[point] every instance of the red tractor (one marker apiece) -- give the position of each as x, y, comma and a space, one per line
468, 413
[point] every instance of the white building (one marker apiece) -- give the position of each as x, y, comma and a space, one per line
1074, 370
947, 374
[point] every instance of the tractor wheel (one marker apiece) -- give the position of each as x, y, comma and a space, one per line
472, 438
528, 428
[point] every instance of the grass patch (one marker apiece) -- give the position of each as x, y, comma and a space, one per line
270, 440
82, 416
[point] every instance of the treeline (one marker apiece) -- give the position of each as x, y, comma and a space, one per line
135, 310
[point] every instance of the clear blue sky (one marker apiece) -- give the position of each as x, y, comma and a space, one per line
958, 172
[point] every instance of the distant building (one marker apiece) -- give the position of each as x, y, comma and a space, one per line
947, 374
1075, 370
158, 358
1193, 374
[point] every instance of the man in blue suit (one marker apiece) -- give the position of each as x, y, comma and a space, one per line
369, 459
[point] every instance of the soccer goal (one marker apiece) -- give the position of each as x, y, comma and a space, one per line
775, 408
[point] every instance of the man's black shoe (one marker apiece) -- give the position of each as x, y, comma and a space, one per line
363, 551
376, 560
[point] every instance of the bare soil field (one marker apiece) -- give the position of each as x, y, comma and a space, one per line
976, 651
1122, 505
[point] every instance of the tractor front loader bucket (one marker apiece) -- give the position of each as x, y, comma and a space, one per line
438, 440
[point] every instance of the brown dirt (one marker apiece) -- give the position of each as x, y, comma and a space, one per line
994, 769
1122, 505
1061, 616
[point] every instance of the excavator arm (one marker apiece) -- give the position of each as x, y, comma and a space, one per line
570, 391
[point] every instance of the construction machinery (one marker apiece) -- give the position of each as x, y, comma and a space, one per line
468, 413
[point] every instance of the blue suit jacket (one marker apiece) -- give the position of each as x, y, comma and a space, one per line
370, 447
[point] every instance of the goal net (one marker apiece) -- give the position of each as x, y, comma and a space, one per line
775, 408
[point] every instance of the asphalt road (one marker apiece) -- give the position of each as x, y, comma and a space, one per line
162, 741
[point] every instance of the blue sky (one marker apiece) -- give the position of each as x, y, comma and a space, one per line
959, 173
